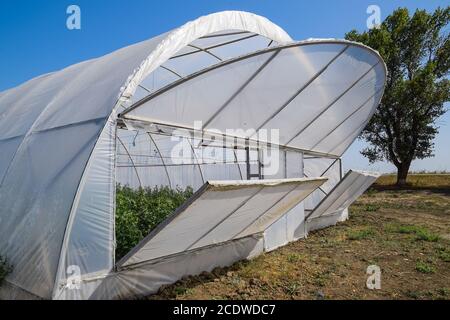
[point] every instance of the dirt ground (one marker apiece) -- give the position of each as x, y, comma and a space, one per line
405, 232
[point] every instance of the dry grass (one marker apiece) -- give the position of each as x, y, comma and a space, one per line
405, 232
420, 180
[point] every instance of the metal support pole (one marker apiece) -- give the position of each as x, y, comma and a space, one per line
247, 158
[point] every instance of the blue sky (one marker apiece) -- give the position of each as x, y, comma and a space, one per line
34, 38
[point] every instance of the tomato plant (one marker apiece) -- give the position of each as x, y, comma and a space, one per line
139, 211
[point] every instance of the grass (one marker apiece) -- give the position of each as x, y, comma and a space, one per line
417, 180
372, 207
360, 234
294, 257
425, 267
405, 232
445, 292
425, 235
443, 253
292, 288
181, 290
408, 229
421, 233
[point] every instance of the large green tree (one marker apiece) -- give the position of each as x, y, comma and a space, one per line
416, 50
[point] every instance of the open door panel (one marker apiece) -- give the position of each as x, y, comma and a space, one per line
344, 193
221, 211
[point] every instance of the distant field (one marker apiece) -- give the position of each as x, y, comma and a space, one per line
417, 180
405, 232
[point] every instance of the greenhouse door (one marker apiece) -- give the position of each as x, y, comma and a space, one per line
219, 212
344, 193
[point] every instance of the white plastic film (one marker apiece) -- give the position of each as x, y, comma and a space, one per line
89, 245
330, 87
345, 193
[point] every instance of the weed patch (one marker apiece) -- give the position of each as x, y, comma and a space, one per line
444, 292
444, 254
422, 234
294, 257
292, 288
425, 235
181, 290
372, 207
407, 229
360, 234
424, 267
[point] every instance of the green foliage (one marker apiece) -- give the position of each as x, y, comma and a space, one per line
425, 235
294, 258
422, 234
292, 288
444, 253
360, 234
445, 292
5, 269
408, 229
371, 192
424, 267
372, 207
140, 211
181, 290
416, 50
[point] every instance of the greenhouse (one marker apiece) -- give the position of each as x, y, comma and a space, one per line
227, 106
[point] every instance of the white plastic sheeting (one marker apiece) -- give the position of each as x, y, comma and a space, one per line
344, 193
326, 221
331, 88
49, 128
89, 239
221, 211
290, 226
146, 278
321, 167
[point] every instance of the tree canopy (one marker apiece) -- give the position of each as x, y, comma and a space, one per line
416, 51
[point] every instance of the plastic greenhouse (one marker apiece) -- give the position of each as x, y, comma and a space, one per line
68, 138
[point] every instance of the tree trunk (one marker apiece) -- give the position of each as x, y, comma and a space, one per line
402, 173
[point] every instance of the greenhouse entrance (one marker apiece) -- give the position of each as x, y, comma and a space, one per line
220, 212
164, 176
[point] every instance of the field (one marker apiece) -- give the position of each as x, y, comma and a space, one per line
405, 232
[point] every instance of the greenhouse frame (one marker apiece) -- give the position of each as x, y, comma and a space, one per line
228, 104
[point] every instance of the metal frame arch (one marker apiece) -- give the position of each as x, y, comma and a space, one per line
162, 158
196, 159
131, 159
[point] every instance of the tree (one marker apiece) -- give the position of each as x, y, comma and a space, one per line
416, 52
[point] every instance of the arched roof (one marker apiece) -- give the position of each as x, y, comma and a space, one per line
49, 127
318, 94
